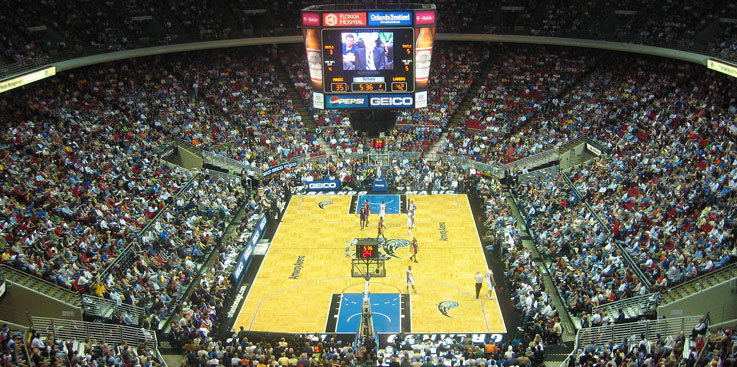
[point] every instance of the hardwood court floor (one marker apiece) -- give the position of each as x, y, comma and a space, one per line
312, 244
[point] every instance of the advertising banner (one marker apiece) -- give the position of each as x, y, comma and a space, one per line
311, 19
424, 17
357, 19
392, 100
349, 101
242, 262
278, 168
380, 186
379, 18
325, 185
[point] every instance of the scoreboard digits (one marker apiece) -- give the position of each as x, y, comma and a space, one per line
366, 251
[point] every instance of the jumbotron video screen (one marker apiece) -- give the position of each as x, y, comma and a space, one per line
369, 59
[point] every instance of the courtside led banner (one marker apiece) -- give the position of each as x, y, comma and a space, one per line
29, 78
357, 19
379, 18
721, 67
425, 17
311, 19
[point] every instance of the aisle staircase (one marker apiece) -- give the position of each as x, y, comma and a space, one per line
301, 108
471, 93
569, 329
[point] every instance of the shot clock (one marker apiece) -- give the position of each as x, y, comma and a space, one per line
367, 251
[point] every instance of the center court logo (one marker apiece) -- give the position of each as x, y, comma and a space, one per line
389, 247
323, 204
446, 306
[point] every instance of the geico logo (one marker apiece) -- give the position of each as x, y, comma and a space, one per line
323, 185
338, 100
391, 101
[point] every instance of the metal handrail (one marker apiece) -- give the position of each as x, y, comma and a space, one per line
604, 334
91, 305
134, 244
699, 278
625, 254
81, 330
649, 301
633, 330
71, 295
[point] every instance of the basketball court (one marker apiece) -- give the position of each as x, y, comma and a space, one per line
304, 284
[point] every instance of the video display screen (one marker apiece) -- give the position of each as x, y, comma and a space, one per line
368, 60
368, 50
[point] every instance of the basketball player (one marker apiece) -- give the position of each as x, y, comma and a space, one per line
410, 221
489, 282
364, 212
382, 210
410, 279
382, 229
413, 249
411, 207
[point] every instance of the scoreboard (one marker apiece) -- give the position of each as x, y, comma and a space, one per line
369, 58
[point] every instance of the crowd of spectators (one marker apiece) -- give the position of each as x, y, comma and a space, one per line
199, 316
244, 89
38, 29
79, 179
47, 350
11, 347
454, 69
174, 249
539, 319
667, 187
522, 85
634, 350
587, 268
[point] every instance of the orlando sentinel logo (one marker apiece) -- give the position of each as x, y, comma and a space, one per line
338, 101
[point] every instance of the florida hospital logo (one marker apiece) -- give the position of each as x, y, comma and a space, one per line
323, 204
389, 247
331, 20
445, 306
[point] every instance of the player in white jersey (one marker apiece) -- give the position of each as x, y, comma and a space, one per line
410, 222
489, 282
410, 279
382, 210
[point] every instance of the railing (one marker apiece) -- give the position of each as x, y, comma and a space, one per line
81, 330
634, 330
187, 145
714, 273
222, 175
643, 304
491, 168
129, 250
40, 285
105, 308
231, 164
535, 160
604, 226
